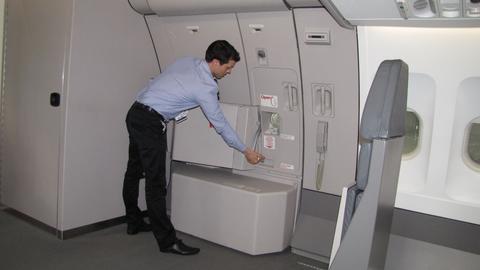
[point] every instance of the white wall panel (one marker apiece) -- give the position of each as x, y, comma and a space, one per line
37, 37
65, 164
449, 57
111, 59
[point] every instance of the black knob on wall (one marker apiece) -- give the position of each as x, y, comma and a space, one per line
55, 99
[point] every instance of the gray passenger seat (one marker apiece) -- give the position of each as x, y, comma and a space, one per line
363, 229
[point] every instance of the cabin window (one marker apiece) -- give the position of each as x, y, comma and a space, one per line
473, 143
412, 134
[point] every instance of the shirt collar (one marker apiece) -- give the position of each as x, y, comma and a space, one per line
206, 69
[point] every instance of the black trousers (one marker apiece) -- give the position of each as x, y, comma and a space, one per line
146, 158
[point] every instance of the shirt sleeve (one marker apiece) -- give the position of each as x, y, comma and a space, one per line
211, 108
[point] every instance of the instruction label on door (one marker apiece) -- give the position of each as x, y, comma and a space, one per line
269, 101
287, 137
269, 142
287, 166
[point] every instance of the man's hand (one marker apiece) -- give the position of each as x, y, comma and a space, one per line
252, 156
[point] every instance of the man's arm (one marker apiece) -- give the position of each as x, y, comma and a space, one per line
211, 109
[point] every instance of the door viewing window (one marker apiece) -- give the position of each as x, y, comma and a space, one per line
472, 144
412, 134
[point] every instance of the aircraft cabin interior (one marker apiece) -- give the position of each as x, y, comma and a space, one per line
367, 113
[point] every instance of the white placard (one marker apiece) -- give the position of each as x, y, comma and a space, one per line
287, 137
269, 142
287, 166
269, 101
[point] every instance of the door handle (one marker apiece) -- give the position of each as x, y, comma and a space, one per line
327, 101
292, 94
322, 145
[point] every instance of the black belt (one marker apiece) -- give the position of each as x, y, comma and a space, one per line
148, 108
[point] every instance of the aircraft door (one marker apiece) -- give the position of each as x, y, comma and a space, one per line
277, 90
272, 59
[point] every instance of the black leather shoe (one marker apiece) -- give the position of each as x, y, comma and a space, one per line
180, 248
135, 228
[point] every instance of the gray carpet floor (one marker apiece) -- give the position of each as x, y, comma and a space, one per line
24, 246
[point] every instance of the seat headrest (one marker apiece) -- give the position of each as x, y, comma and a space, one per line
384, 112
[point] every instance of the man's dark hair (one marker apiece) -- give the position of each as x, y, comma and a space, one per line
222, 51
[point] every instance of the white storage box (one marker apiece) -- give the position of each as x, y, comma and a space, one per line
244, 213
195, 137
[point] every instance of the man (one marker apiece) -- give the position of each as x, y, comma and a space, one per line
187, 83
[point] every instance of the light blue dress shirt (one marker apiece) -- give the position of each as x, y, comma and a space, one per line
184, 85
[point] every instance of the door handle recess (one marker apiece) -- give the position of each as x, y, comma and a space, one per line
54, 99
323, 99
